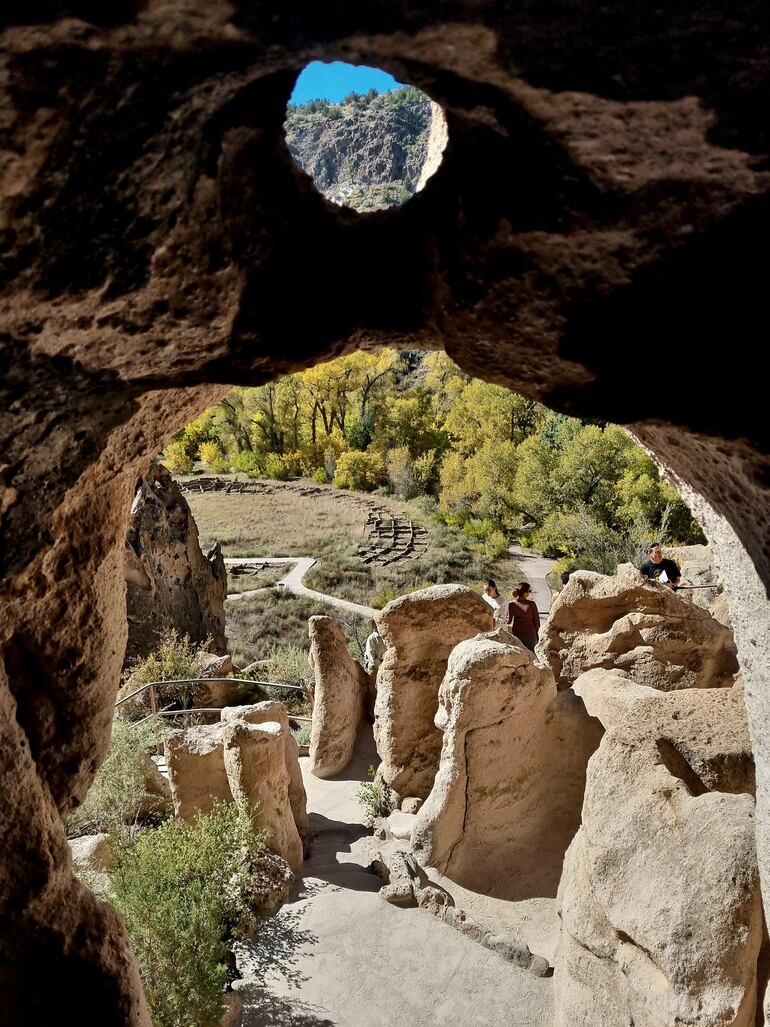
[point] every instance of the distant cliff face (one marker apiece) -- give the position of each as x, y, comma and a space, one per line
367, 153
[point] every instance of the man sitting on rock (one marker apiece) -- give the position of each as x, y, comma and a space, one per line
660, 569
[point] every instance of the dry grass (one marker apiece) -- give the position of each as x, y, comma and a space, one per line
237, 583
329, 525
258, 624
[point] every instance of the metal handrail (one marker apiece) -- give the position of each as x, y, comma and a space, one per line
203, 681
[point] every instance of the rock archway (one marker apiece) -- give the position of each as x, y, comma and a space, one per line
590, 240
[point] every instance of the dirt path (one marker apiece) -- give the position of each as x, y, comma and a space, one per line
292, 582
337, 955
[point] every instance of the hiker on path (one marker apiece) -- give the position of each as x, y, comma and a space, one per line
658, 568
499, 607
523, 616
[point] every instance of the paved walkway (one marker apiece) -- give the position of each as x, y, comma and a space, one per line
337, 955
292, 582
534, 568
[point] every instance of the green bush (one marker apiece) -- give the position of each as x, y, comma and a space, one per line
183, 891
118, 790
356, 470
375, 799
175, 657
247, 462
302, 734
320, 475
176, 458
276, 467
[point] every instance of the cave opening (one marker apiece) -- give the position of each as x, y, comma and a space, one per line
367, 141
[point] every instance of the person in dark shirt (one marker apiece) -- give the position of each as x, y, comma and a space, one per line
656, 566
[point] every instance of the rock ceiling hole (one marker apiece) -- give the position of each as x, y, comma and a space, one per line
368, 142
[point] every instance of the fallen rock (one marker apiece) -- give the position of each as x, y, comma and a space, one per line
92, 852
625, 623
399, 825
270, 886
217, 694
403, 887
339, 700
265, 712
507, 797
659, 901
411, 804
255, 761
170, 584
420, 630
196, 769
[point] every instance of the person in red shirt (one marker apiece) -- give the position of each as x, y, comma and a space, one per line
523, 617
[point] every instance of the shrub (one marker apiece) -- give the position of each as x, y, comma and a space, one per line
401, 472
320, 475
175, 657
183, 890
356, 470
374, 797
247, 462
302, 734
118, 790
276, 467
176, 458
209, 453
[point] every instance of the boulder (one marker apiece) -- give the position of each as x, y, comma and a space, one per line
255, 760
196, 769
642, 627
697, 566
507, 796
157, 792
91, 852
170, 583
339, 699
265, 712
420, 630
659, 900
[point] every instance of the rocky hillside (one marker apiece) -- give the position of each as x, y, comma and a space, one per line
367, 152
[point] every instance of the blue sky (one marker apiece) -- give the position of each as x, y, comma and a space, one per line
320, 81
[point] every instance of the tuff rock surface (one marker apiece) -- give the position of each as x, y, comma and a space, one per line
170, 584
506, 800
275, 712
642, 627
196, 769
255, 762
339, 698
420, 630
603, 165
659, 900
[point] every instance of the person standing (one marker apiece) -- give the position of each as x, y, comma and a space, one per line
523, 616
494, 599
658, 568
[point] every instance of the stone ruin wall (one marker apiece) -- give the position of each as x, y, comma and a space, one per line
153, 235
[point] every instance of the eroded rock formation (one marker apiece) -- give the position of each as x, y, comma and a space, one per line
642, 627
659, 901
255, 762
275, 712
509, 789
339, 698
170, 584
420, 630
196, 769
603, 165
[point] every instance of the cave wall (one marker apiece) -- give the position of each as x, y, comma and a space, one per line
590, 240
